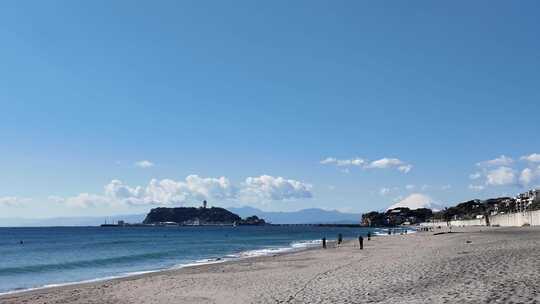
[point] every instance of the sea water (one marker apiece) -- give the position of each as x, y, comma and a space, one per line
38, 257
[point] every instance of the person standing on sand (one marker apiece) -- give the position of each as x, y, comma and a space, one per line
324, 242
361, 242
369, 236
339, 239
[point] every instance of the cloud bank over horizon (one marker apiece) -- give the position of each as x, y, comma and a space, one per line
503, 173
193, 189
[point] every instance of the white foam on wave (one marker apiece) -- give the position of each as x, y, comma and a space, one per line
201, 262
264, 252
294, 246
306, 244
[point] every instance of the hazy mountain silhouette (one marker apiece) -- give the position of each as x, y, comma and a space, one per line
305, 216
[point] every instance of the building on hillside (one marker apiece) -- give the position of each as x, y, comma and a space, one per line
526, 200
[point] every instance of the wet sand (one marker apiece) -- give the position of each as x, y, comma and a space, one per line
477, 265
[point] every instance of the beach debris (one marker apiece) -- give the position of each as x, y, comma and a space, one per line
468, 242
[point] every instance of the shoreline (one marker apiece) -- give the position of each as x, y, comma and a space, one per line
470, 265
295, 246
244, 255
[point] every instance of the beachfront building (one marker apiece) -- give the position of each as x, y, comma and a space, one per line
528, 200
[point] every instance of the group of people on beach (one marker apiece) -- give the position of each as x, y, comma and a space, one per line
340, 240
361, 239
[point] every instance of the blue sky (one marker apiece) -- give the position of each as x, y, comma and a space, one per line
260, 94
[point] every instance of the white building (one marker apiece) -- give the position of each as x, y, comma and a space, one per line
524, 200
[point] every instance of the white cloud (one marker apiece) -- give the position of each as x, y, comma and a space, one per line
500, 176
328, 160
476, 187
144, 164
385, 163
533, 158
13, 201
267, 187
475, 175
416, 201
216, 188
117, 190
446, 187
410, 187
528, 176
351, 162
170, 192
193, 189
405, 168
382, 163
343, 162
499, 161
502, 172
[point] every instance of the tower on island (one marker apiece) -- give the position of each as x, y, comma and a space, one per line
204, 204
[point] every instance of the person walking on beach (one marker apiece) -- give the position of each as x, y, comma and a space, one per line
369, 236
339, 239
324, 242
361, 242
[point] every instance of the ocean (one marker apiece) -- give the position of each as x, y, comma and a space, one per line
62, 255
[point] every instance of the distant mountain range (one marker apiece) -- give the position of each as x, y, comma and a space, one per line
306, 216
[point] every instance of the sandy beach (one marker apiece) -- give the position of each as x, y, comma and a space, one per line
475, 265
